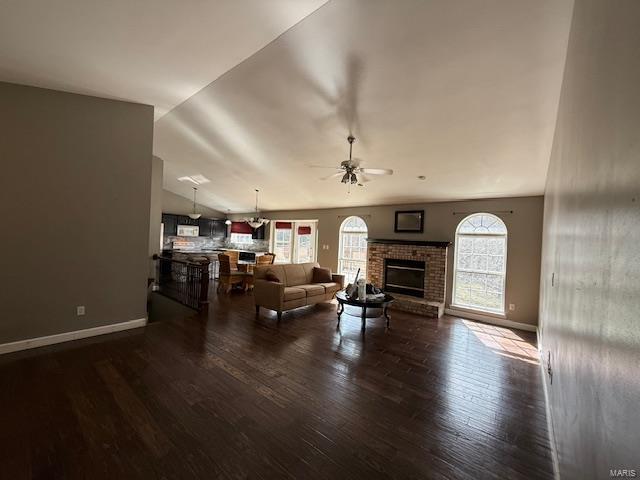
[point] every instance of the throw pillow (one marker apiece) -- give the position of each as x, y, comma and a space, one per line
271, 277
321, 275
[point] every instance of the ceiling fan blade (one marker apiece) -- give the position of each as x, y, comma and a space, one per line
333, 175
324, 166
363, 178
377, 171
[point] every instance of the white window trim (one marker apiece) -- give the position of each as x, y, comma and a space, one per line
340, 232
473, 308
294, 235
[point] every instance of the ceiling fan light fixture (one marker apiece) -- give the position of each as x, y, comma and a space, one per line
351, 171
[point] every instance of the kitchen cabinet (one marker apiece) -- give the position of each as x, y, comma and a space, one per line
186, 220
170, 224
219, 229
259, 233
206, 227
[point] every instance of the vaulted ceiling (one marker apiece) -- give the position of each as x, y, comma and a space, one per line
462, 92
157, 52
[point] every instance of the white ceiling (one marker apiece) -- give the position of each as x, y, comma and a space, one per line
461, 91
157, 52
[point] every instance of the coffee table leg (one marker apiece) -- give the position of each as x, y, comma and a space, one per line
364, 317
386, 315
340, 310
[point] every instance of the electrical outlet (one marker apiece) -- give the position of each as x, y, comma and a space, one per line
80, 310
512, 307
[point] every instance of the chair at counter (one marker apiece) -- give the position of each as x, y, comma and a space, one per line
229, 275
266, 259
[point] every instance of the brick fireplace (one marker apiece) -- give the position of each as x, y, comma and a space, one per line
395, 265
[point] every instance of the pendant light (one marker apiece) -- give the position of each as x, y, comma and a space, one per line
194, 215
257, 221
228, 220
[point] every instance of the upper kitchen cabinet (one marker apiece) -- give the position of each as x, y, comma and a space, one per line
206, 227
258, 233
219, 229
186, 220
170, 224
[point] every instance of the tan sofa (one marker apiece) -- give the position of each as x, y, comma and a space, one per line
295, 289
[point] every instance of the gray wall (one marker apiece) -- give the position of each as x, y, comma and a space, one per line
155, 211
173, 203
590, 316
76, 173
523, 246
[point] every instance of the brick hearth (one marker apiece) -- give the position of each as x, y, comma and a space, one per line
434, 254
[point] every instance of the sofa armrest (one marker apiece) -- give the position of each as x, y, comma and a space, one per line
268, 294
339, 279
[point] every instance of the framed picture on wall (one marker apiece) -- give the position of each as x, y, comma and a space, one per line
409, 221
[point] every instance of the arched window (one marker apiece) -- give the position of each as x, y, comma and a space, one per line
480, 263
352, 254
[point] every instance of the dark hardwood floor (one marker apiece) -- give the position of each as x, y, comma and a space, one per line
232, 396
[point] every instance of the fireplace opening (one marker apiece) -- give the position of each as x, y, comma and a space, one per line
404, 276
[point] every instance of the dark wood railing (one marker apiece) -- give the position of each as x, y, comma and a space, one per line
184, 281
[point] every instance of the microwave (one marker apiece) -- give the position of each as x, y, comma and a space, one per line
188, 231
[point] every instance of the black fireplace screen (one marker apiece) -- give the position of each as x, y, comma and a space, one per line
404, 276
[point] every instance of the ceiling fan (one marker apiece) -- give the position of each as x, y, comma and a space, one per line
351, 171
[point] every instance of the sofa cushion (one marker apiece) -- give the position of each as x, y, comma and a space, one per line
293, 293
312, 289
271, 276
308, 271
260, 271
295, 275
330, 287
321, 275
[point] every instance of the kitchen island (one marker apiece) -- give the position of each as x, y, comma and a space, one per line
245, 257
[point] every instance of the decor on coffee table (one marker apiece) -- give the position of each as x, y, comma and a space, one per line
376, 306
409, 221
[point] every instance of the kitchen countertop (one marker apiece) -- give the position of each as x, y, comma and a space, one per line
197, 252
217, 250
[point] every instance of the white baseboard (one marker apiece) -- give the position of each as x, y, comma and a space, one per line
501, 322
547, 405
67, 336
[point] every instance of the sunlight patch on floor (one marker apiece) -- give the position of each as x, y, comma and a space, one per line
504, 342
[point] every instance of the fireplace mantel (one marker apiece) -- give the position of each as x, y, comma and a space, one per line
419, 243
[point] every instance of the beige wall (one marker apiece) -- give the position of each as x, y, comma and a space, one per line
590, 314
75, 184
524, 240
177, 204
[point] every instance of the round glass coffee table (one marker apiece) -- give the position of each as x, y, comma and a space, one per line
368, 308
